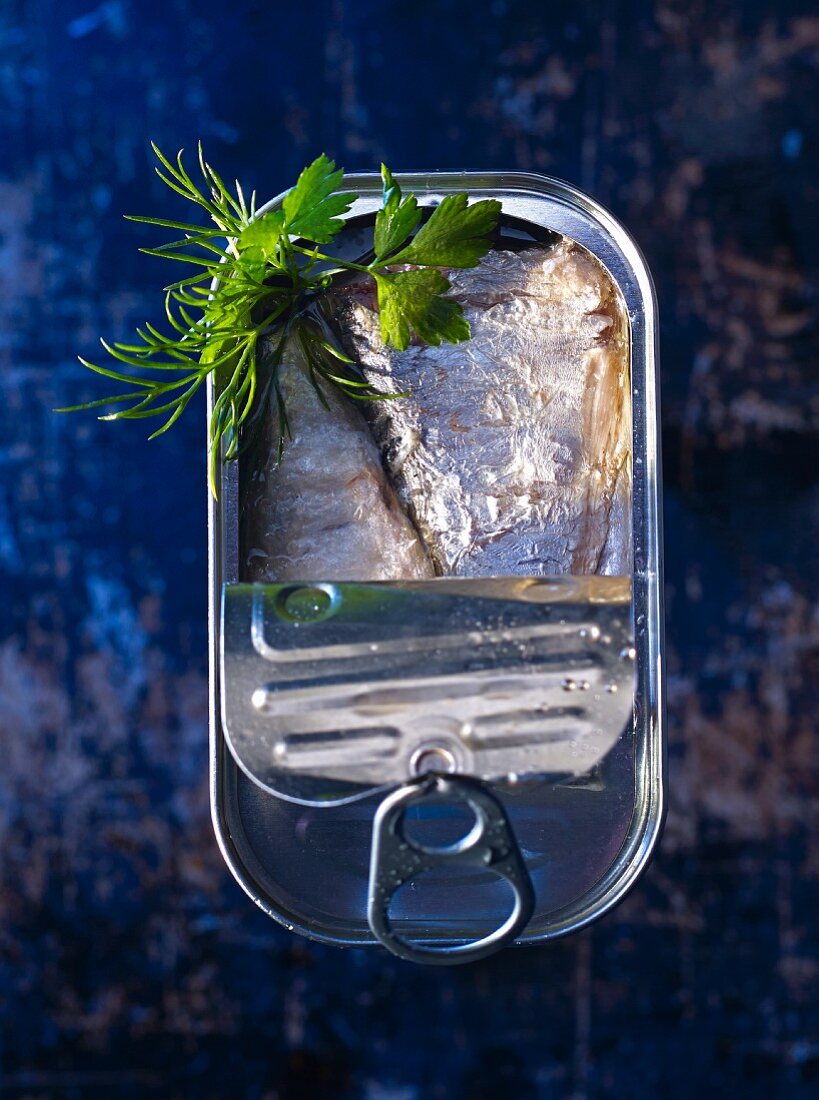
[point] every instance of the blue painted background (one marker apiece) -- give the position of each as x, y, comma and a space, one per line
130, 963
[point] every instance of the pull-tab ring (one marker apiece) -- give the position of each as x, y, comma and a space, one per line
397, 859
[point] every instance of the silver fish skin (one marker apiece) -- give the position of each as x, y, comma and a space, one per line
326, 511
512, 452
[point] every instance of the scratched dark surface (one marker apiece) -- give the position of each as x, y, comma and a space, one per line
132, 965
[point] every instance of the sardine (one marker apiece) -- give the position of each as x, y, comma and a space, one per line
326, 511
512, 452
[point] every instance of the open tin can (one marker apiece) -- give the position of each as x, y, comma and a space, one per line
323, 820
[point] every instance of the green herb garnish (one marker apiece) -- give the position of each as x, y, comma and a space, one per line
259, 282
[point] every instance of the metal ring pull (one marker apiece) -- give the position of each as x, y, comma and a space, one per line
397, 859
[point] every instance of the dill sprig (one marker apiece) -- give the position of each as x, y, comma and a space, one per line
258, 284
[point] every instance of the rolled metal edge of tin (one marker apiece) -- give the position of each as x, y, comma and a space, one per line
578, 216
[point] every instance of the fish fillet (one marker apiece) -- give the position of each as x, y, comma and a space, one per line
512, 452
327, 510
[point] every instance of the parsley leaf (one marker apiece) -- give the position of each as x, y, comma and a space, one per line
410, 301
263, 234
396, 219
455, 236
311, 208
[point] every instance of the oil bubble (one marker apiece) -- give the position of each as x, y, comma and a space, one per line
307, 603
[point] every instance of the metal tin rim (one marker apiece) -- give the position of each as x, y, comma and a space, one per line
581, 218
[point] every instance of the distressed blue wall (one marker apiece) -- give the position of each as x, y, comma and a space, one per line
132, 964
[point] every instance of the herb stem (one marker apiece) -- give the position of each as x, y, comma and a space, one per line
319, 256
